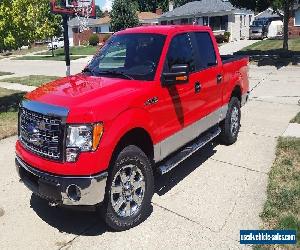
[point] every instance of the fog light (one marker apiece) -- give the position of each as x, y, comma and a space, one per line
72, 154
73, 192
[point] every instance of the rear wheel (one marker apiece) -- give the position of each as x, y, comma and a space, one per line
129, 189
231, 125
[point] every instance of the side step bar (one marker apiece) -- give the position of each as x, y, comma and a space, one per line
188, 150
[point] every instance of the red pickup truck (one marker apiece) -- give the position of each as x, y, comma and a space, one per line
149, 99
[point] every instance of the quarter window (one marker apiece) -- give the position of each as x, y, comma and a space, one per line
180, 52
206, 52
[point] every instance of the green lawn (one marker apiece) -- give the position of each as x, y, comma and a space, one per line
31, 80
47, 58
282, 208
25, 51
9, 104
3, 73
296, 119
79, 50
266, 46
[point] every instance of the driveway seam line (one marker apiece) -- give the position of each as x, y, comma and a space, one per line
239, 166
184, 217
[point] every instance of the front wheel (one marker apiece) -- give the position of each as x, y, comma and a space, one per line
231, 125
129, 189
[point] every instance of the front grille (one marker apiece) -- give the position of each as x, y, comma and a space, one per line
41, 134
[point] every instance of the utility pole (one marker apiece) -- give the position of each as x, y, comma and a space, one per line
66, 44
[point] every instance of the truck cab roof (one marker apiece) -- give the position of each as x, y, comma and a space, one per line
164, 29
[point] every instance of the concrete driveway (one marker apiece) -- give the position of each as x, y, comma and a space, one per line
202, 204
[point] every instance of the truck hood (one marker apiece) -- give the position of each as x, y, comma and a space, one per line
84, 93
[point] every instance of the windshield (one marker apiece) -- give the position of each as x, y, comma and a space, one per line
133, 56
257, 23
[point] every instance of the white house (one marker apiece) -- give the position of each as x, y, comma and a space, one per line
220, 15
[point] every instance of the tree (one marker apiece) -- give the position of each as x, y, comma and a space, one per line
287, 7
277, 5
24, 21
123, 15
99, 12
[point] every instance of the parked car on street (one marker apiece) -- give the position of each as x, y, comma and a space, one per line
147, 101
57, 43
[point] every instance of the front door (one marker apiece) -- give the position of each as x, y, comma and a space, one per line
178, 100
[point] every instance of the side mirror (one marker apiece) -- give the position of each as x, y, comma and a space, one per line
179, 74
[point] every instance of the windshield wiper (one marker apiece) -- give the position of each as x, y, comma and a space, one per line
114, 72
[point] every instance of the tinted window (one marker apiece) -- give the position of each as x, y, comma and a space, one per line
206, 52
134, 55
180, 52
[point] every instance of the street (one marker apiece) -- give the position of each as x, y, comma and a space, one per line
202, 204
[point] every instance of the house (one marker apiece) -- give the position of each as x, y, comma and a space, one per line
101, 26
270, 15
220, 15
294, 22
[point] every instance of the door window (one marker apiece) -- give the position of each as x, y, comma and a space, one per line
206, 56
180, 52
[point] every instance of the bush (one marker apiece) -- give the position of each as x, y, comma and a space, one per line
106, 37
223, 38
227, 36
94, 40
220, 38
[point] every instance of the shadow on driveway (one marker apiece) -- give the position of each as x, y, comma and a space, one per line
90, 223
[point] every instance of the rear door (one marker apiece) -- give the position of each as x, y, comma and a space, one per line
208, 75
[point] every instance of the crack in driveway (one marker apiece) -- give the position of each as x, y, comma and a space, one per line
239, 166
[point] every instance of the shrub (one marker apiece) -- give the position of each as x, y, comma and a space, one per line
220, 38
94, 40
106, 37
227, 36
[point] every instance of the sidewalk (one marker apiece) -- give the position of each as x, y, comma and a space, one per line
293, 130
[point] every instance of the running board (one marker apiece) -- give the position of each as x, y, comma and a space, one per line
188, 150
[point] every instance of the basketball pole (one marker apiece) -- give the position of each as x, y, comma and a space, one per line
66, 44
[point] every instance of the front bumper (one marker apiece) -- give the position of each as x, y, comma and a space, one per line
63, 190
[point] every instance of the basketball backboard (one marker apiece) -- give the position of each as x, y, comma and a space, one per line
74, 7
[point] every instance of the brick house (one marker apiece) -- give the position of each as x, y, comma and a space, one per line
101, 27
294, 22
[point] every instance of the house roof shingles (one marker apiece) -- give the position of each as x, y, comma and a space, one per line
203, 7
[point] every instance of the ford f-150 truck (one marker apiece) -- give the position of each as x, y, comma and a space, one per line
150, 98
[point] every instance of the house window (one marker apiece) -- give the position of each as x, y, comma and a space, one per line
297, 17
184, 21
218, 23
250, 19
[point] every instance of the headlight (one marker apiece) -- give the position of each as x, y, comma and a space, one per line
82, 138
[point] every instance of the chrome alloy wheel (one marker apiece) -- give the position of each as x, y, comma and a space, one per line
235, 120
127, 191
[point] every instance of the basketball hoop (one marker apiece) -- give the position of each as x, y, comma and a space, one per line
83, 10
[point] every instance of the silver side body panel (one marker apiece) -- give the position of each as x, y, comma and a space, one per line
179, 139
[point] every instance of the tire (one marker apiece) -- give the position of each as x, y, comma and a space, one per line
230, 127
129, 191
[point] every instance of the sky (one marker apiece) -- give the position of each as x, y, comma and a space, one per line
104, 4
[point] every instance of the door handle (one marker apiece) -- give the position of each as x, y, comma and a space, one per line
219, 78
197, 87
